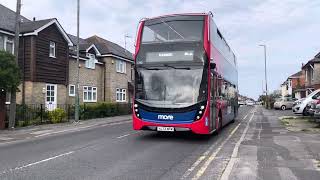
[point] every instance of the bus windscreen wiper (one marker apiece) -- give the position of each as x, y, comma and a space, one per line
173, 67
155, 69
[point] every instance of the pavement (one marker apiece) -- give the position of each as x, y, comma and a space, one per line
256, 146
29, 132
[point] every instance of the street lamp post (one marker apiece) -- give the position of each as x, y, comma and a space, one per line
265, 73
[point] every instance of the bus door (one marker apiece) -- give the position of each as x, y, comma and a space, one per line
213, 101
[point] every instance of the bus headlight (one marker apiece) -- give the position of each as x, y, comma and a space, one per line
200, 111
136, 110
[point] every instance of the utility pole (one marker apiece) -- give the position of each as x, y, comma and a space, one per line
265, 73
76, 114
13, 100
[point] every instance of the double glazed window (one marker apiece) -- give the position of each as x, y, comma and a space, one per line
52, 49
121, 95
90, 63
121, 66
6, 44
72, 90
89, 94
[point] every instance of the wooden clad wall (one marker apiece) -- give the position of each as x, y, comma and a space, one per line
48, 69
25, 56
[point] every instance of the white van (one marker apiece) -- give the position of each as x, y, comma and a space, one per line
302, 106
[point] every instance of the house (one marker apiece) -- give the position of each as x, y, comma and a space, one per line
43, 58
297, 82
47, 59
294, 86
312, 74
106, 71
286, 88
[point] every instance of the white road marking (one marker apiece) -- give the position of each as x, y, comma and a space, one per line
35, 163
205, 154
79, 128
119, 137
228, 169
214, 154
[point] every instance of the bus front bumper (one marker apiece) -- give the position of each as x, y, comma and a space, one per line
197, 127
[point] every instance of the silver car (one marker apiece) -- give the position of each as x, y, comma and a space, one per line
284, 103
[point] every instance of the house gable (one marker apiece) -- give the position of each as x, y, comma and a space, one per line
51, 69
46, 25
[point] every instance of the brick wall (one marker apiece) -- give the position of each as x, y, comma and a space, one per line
87, 77
116, 80
35, 93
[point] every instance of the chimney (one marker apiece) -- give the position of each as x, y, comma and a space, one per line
302, 65
34, 18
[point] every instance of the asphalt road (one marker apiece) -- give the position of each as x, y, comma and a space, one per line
118, 152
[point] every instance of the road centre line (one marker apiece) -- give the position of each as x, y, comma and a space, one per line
119, 137
80, 128
227, 171
35, 163
205, 154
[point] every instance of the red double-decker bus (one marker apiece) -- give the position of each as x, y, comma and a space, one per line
186, 75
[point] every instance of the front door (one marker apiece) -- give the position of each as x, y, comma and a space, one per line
51, 96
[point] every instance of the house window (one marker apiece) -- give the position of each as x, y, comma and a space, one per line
72, 90
311, 74
89, 94
306, 72
91, 62
120, 66
52, 52
120, 95
9, 45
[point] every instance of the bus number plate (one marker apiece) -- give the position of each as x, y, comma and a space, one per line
170, 129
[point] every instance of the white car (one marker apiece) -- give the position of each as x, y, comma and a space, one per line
250, 103
301, 106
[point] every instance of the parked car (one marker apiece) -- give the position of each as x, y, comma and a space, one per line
284, 103
250, 103
312, 106
302, 107
241, 103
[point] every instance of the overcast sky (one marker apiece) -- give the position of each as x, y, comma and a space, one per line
289, 28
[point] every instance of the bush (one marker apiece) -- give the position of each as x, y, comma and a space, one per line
57, 115
101, 110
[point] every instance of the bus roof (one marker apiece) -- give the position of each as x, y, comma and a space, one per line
178, 14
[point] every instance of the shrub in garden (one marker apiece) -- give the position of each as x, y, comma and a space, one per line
57, 115
100, 110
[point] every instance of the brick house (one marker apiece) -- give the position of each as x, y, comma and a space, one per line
105, 71
294, 86
311, 72
297, 81
43, 58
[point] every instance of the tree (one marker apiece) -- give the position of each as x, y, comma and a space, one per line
9, 72
9, 80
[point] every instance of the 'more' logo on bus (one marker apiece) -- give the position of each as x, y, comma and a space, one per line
165, 117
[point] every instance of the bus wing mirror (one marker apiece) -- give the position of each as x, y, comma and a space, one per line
212, 65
